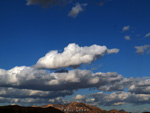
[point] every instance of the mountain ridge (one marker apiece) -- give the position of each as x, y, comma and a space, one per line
74, 107
80, 107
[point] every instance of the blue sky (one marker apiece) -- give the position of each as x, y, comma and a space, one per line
28, 32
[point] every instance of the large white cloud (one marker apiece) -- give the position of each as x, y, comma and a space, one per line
30, 83
32, 78
73, 56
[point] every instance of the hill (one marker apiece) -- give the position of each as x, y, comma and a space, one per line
21, 109
77, 107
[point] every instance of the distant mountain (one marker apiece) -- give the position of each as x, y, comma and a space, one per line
122, 110
20, 109
77, 107
74, 107
115, 111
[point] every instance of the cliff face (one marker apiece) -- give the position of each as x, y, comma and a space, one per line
76, 107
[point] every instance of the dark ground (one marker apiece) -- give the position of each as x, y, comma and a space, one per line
20, 109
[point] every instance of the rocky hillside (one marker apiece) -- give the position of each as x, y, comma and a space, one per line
77, 107
74, 107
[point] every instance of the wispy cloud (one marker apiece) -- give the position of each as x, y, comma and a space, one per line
102, 2
125, 28
127, 37
142, 49
147, 35
78, 8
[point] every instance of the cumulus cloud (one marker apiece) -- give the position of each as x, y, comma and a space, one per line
73, 56
23, 101
31, 83
28, 93
127, 37
125, 28
42, 80
119, 86
141, 87
31, 78
142, 49
59, 100
23, 76
78, 8
147, 35
80, 97
118, 98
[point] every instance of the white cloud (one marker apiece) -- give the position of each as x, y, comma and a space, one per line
119, 103
120, 85
119, 98
141, 49
78, 8
141, 87
94, 80
28, 93
125, 28
73, 56
30, 83
59, 100
23, 101
147, 35
80, 97
127, 37
111, 51
31, 78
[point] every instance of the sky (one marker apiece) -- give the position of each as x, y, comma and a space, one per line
103, 46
